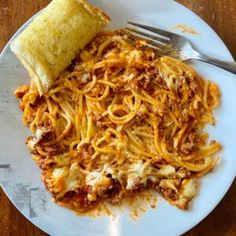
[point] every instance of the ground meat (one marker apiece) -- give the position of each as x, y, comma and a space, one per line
140, 118
90, 150
194, 137
70, 194
29, 118
98, 117
45, 163
102, 121
144, 81
213, 142
160, 82
115, 194
97, 90
168, 194
47, 137
153, 185
139, 44
191, 145
21, 91
189, 148
141, 81
150, 54
22, 106
181, 173
87, 151
78, 200
52, 150
193, 87
38, 101
137, 185
159, 161
102, 190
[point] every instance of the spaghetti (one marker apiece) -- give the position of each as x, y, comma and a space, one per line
121, 120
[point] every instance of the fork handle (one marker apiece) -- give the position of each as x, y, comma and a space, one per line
229, 66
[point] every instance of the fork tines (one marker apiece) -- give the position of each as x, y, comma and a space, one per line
155, 30
161, 48
159, 39
161, 36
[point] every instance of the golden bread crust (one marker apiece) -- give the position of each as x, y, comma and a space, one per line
48, 44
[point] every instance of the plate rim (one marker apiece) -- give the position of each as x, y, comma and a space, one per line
229, 54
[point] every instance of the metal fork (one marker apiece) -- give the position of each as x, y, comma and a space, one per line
183, 48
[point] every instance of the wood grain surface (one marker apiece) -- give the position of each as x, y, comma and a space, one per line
221, 16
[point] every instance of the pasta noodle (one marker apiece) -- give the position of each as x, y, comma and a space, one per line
120, 120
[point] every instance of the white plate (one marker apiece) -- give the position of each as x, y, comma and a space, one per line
20, 177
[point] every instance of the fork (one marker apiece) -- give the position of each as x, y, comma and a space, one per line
183, 48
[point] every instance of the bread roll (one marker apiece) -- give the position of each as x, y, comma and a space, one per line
47, 46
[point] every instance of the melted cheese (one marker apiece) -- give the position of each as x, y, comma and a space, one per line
145, 172
85, 78
169, 183
72, 180
130, 183
187, 191
66, 179
139, 171
190, 188
38, 137
95, 179
166, 171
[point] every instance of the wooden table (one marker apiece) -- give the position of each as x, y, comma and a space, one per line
220, 14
